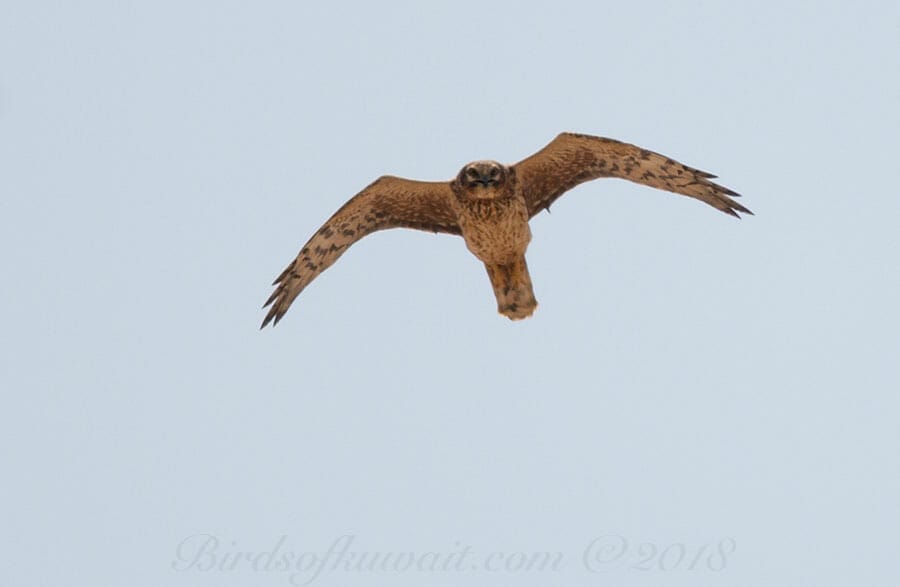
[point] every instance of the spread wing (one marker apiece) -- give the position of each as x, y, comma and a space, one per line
571, 159
389, 202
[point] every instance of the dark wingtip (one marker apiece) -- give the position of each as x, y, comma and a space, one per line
272, 314
283, 274
271, 298
740, 208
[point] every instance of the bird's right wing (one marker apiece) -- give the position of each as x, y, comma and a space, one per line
389, 202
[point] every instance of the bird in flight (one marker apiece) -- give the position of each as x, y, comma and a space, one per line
489, 204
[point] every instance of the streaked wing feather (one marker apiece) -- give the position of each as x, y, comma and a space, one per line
571, 159
389, 202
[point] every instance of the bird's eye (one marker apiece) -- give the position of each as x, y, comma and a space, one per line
495, 171
471, 172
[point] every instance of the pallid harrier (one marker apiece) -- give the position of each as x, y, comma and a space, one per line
489, 204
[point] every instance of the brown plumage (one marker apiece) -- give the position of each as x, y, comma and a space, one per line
490, 204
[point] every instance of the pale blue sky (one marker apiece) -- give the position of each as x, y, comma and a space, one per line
687, 379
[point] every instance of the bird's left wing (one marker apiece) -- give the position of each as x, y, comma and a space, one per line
571, 159
389, 202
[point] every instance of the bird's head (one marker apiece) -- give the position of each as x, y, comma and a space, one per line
484, 180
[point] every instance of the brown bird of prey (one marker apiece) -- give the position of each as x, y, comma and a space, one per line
489, 204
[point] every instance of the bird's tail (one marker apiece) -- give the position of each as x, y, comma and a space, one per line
512, 286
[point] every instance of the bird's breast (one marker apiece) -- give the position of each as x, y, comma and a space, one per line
496, 231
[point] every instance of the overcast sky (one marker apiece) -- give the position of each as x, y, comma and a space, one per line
698, 400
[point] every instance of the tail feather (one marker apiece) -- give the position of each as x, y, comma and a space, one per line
512, 286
